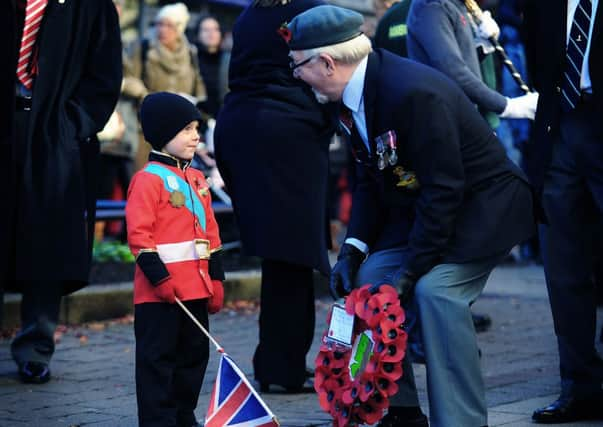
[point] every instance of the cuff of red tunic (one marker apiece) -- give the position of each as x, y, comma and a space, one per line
152, 267
216, 270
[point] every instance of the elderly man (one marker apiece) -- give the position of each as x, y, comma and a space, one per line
436, 203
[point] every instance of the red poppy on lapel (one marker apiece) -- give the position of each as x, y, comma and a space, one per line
285, 32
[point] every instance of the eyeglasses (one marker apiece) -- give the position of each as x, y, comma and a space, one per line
293, 65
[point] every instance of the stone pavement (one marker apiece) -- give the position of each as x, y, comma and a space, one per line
93, 381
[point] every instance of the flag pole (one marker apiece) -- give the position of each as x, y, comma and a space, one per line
234, 365
194, 319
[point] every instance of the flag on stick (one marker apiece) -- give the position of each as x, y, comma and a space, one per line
233, 402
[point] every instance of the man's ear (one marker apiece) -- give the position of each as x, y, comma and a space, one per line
328, 61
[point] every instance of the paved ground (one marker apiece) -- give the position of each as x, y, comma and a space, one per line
93, 367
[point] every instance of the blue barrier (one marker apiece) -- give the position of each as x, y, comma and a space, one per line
107, 210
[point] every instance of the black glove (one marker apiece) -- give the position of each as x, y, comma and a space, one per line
404, 282
344, 272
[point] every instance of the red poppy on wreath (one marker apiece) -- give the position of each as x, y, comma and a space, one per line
354, 383
285, 32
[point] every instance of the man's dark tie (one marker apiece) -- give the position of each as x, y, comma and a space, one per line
576, 47
345, 117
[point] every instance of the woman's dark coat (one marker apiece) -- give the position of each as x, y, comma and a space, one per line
47, 178
272, 142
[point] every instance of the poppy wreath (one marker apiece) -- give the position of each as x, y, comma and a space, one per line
359, 395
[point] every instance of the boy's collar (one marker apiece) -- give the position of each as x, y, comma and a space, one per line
161, 157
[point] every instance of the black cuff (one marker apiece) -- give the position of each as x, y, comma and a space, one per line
216, 271
350, 251
152, 267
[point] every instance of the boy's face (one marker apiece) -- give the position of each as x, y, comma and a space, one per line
184, 144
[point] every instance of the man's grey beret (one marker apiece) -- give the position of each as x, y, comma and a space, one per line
323, 26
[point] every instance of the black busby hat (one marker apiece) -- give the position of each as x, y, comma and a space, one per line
163, 115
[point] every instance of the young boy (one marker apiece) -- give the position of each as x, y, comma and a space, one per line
173, 234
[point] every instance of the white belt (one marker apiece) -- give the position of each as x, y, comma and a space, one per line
184, 251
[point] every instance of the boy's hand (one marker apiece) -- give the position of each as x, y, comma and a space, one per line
216, 301
166, 292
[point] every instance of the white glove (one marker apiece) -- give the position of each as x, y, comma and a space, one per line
488, 27
521, 107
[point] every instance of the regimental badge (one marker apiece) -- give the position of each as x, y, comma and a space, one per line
177, 199
406, 179
203, 191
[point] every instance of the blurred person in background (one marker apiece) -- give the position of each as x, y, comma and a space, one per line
213, 63
391, 27
444, 35
165, 62
118, 146
272, 140
515, 134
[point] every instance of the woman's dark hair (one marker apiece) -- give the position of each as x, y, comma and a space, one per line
207, 16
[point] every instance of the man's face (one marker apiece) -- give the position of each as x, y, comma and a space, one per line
315, 72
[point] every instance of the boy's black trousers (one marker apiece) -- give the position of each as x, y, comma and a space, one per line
171, 358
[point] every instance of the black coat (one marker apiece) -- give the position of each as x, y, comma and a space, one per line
47, 185
472, 201
546, 25
271, 143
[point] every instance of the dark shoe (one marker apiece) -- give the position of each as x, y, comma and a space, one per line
397, 421
567, 409
481, 322
34, 373
306, 387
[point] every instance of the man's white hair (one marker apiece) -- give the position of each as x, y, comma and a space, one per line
348, 52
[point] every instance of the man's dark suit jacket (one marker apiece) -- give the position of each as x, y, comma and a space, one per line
546, 25
472, 201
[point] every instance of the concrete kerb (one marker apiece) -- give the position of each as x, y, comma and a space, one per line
101, 302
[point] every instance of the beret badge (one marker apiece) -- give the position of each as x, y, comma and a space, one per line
285, 32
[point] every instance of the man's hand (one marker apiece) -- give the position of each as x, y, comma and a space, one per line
521, 107
166, 292
344, 272
404, 282
488, 27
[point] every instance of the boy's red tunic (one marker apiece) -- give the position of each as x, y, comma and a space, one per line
169, 212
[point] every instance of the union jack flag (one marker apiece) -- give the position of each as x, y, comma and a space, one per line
234, 402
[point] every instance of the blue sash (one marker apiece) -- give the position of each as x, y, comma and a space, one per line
169, 178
